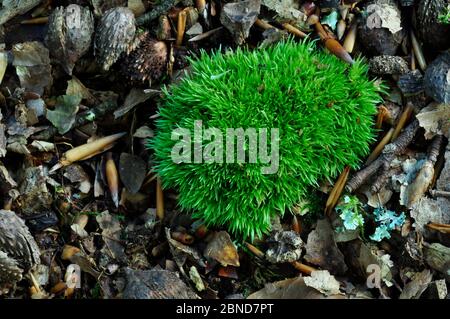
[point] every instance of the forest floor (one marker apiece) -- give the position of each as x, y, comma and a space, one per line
75, 167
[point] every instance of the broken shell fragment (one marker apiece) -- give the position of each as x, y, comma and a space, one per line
69, 34
114, 36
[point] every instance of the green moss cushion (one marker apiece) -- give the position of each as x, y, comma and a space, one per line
323, 110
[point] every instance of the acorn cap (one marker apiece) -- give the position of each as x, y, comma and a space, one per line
115, 34
69, 34
148, 61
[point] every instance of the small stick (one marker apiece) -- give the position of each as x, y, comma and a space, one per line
418, 52
303, 268
159, 200
181, 27
112, 177
156, 11
40, 20
350, 39
263, 24
290, 28
255, 250
379, 148
388, 154
382, 112
296, 226
336, 192
204, 35
436, 193
402, 120
444, 228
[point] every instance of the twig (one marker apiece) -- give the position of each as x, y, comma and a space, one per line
156, 12
336, 192
388, 154
159, 200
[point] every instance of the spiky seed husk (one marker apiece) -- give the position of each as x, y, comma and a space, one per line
18, 249
322, 107
114, 36
148, 62
69, 34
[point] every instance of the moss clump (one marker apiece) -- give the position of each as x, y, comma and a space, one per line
322, 107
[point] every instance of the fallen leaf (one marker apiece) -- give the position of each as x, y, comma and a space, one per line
64, 115
322, 281
322, 250
222, 249
133, 170
435, 119
155, 284
293, 288
135, 97
418, 284
111, 233
238, 18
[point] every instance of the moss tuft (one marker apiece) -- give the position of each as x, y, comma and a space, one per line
322, 107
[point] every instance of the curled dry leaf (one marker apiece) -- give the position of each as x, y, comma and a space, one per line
32, 62
222, 249
238, 17
322, 250
435, 120
322, 281
294, 288
64, 115
155, 284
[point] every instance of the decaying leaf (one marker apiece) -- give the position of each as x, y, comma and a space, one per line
222, 249
435, 119
64, 114
430, 210
322, 281
111, 232
417, 285
321, 249
33, 68
294, 288
132, 171
182, 252
76, 174
155, 284
238, 17
287, 10
135, 97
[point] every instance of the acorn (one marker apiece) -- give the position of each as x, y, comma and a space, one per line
18, 249
434, 34
380, 28
114, 36
69, 34
437, 78
148, 61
